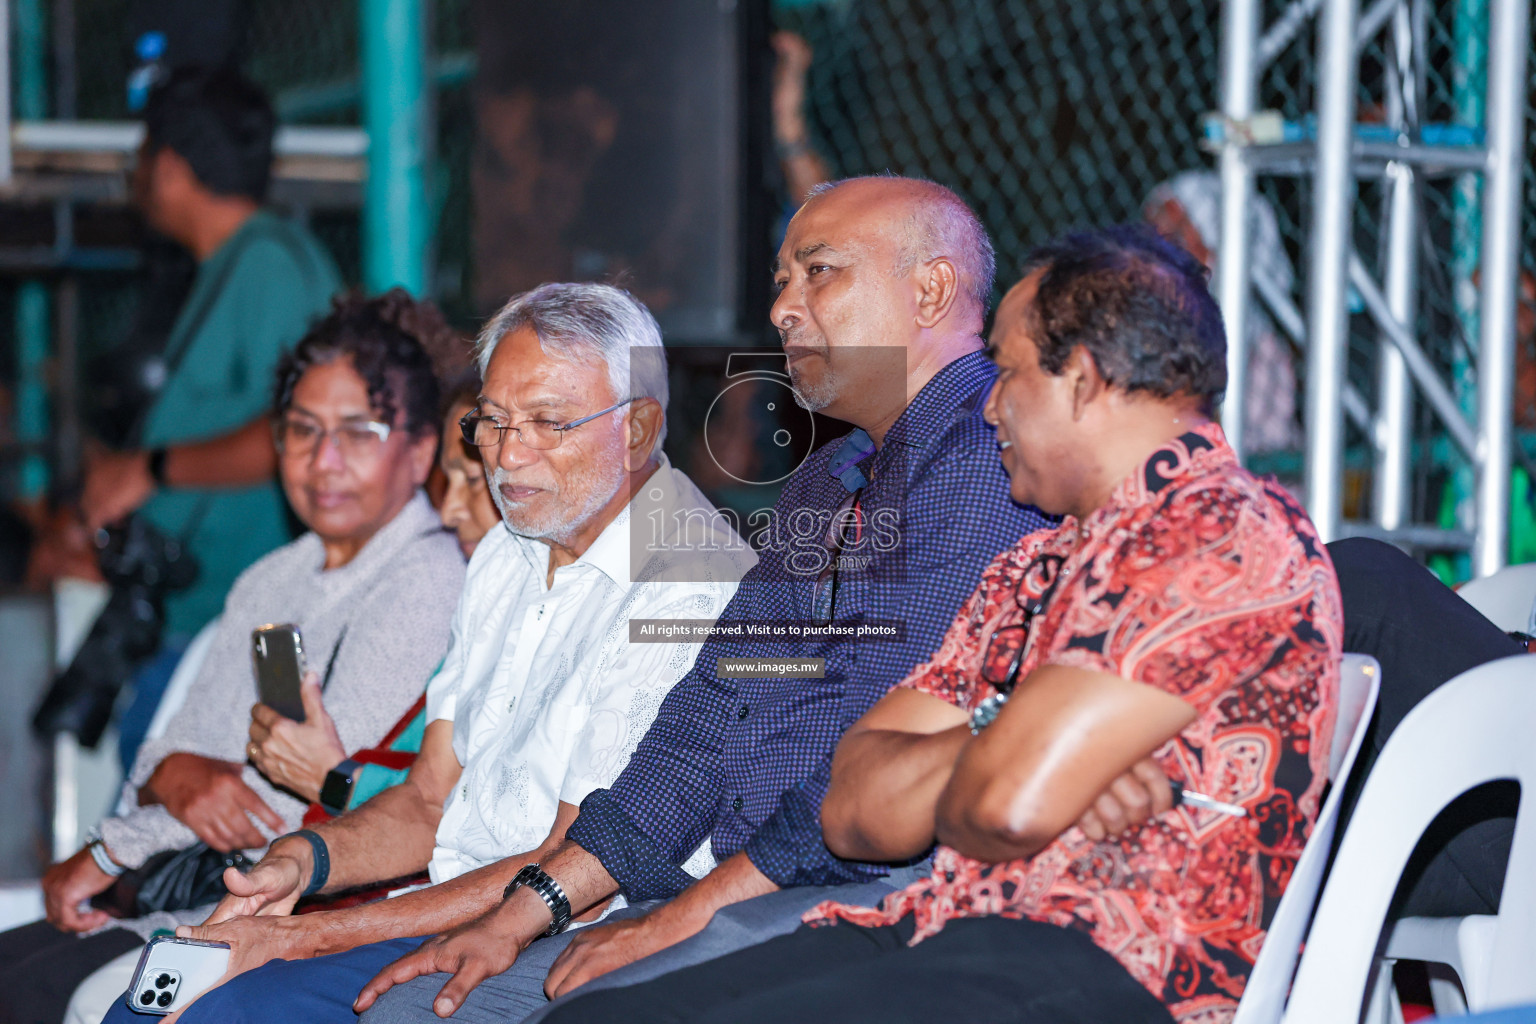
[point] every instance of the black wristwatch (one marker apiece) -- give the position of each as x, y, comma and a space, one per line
157, 466
537, 879
337, 788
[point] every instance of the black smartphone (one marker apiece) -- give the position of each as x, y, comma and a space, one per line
278, 652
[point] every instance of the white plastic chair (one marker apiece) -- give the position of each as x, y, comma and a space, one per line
175, 695
1506, 598
1474, 729
1264, 995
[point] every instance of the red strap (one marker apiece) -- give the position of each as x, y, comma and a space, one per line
403, 724
381, 755
393, 759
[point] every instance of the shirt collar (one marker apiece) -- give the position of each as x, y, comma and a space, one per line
847, 465
924, 417
919, 422
1197, 451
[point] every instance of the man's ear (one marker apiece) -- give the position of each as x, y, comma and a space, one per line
940, 287
1088, 384
645, 420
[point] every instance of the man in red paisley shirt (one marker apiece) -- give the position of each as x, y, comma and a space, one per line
1182, 624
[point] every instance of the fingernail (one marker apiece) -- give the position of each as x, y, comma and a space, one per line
443, 1007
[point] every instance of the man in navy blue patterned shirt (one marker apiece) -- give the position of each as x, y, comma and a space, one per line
883, 285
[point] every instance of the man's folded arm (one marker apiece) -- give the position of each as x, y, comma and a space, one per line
887, 775
1064, 736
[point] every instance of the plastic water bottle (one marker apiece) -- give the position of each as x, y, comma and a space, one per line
150, 48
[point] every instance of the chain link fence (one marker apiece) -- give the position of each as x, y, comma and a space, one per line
1044, 114
1052, 114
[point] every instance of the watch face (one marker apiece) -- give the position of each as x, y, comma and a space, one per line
987, 711
336, 790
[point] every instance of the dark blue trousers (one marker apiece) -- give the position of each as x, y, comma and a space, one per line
292, 991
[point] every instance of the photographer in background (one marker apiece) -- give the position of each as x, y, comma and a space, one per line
202, 470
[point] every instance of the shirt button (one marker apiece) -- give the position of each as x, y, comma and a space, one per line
736, 804
949, 876
744, 711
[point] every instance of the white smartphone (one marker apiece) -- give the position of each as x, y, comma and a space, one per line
172, 972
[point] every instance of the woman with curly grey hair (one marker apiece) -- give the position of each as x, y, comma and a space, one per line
372, 586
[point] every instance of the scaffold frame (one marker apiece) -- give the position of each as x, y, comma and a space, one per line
1335, 160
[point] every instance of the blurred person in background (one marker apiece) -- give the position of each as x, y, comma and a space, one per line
803, 167
466, 507
201, 469
372, 586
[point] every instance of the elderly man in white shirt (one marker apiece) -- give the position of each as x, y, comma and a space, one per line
542, 696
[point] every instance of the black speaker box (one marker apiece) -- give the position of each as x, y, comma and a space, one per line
624, 142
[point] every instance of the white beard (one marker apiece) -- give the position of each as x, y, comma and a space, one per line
561, 523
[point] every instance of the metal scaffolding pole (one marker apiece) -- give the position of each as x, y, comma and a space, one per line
33, 421
1508, 42
5, 92
1239, 85
1392, 433
1327, 293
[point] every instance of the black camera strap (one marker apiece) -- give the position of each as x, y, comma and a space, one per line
330, 663
183, 340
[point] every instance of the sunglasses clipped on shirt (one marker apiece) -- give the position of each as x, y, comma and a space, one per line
1004, 655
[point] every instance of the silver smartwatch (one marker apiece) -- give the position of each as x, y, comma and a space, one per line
537, 879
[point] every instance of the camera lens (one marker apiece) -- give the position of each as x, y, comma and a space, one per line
165, 999
162, 981
147, 998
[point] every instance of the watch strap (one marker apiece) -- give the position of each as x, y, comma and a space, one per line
536, 878
99, 854
322, 857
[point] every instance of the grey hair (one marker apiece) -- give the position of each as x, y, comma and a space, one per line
941, 224
580, 320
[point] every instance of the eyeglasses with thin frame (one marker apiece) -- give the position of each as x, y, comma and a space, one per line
356, 439
847, 521
541, 435
1004, 655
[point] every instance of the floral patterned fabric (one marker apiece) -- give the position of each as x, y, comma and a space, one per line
1202, 580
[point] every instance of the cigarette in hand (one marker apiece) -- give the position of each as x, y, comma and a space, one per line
1184, 795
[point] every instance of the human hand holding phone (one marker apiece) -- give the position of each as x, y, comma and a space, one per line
296, 755
173, 972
